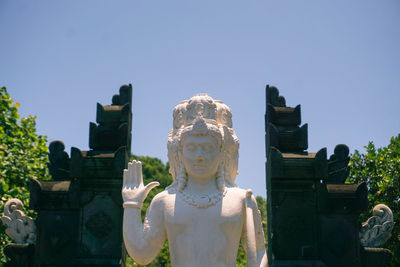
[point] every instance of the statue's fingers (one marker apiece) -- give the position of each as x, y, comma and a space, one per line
134, 172
125, 177
150, 186
129, 173
140, 174
130, 165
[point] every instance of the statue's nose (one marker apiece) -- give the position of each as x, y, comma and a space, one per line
199, 155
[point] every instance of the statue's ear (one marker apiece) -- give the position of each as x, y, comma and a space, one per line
222, 157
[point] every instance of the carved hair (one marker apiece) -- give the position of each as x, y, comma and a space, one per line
199, 116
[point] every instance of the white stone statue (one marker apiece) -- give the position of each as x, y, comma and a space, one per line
20, 228
377, 229
203, 214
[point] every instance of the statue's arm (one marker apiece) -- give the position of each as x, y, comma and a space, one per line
143, 241
253, 234
260, 239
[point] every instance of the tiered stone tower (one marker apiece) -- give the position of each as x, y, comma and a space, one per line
80, 211
312, 214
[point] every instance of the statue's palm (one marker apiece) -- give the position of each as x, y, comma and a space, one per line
133, 190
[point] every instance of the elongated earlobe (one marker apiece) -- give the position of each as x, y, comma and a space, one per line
221, 177
181, 177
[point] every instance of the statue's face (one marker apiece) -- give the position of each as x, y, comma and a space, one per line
201, 156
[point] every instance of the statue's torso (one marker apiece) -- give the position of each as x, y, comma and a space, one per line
204, 236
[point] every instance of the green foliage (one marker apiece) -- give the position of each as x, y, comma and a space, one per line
23, 155
380, 169
155, 170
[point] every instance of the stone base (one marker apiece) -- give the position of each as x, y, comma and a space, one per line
298, 263
376, 257
21, 255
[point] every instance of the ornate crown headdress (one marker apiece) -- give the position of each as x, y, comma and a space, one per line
201, 127
202, 115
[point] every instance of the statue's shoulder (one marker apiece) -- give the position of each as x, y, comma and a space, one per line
165, 195
240, 194
236, 192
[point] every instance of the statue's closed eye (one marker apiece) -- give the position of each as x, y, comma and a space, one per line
208, 147
191, 147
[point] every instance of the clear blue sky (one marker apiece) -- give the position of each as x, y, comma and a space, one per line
339, 59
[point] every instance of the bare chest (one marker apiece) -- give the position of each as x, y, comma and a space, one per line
208, 235
225, 216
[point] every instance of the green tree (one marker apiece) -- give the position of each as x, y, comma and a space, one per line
380, 169
155, 170
23, 155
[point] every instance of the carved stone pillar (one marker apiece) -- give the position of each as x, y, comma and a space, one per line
80, 210
312, 214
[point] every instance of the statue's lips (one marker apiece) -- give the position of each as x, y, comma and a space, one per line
199, 166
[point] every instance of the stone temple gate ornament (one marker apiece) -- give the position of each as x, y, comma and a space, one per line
203, 214
19, 227
378, 228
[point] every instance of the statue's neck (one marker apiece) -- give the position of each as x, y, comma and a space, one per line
196, 185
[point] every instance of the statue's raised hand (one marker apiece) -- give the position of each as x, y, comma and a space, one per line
133, 190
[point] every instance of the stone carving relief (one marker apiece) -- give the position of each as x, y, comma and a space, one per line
20, 228
99, 224
203, 213
377, 229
